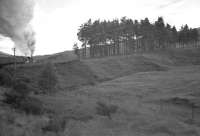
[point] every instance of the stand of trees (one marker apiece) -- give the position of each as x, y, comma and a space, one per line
125, 36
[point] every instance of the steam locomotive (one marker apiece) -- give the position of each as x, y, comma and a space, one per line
5, 61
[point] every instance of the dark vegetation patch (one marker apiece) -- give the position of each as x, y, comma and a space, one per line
181, 101
107, 110
5, 78
19, 97
69, 74
21, 94
192, 105
32, 105
10, 60
75, 73
183, 56
57, 123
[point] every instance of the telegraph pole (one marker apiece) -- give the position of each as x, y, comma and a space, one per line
14, 53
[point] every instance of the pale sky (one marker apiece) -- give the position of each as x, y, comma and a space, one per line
56, 22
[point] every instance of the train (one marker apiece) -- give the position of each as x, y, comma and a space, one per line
11, 60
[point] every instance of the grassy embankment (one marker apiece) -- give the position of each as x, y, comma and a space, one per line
153, 92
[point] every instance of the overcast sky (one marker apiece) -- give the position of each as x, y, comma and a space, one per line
56, 22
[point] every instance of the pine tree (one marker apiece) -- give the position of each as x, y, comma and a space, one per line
76, 50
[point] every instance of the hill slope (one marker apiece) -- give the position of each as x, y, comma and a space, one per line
58, 57
90, 71
2, 54
76, 73
152, 91
199, 32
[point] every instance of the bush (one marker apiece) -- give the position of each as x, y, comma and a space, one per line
56, 124
23, 78
31, 105
13, 98
18, 93
48, 79
28, 104
19, 97
5, 78
21, 88
106, 110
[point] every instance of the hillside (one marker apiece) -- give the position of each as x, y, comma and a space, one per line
199, 32
2, 54
57, 57
90, 71
153, 92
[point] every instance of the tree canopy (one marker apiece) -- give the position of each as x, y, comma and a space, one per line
99, 32
123, 36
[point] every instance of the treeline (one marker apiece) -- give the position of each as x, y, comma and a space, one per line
107, 38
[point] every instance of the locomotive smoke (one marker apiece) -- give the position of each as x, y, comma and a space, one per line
15, 16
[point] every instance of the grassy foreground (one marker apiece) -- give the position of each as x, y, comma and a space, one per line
153, 93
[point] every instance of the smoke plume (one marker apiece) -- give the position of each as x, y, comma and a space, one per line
29, 38
15, 16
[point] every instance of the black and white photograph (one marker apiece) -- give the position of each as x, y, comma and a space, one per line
99, 68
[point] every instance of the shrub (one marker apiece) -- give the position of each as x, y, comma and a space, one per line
106, 110
19, 97
23, 78
31, 105
21, 88
28, 104
18, 93
48, 79
5, 78
56, 124
13, 98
